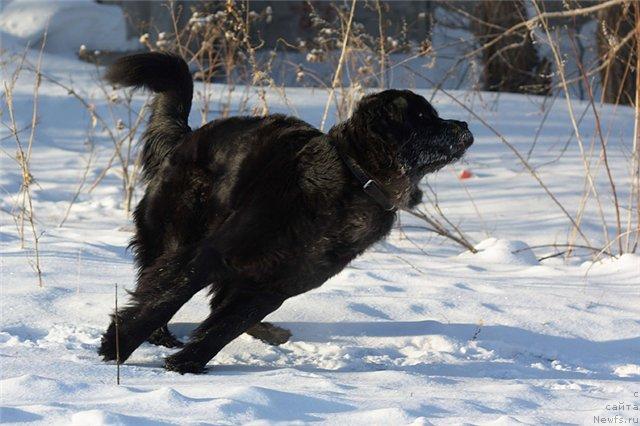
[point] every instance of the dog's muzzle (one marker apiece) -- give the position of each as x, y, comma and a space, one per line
461, 132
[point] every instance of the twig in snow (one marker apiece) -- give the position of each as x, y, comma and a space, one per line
115, 320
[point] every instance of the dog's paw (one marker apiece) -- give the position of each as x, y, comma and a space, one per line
112, 352
174, 363
163, 337
108, 347
269, 333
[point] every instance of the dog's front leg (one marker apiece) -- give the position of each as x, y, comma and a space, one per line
236, 313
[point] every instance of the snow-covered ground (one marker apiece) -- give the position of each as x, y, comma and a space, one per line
68, 24
413, 332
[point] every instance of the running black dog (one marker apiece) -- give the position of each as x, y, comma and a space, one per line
261, 209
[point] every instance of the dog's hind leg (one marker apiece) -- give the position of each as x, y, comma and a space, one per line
237, 311
161, 290
148, 246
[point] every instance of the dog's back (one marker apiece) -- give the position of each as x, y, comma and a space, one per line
228, 165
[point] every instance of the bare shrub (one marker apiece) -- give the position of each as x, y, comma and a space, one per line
24, 203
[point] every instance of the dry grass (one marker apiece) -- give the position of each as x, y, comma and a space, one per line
220, 44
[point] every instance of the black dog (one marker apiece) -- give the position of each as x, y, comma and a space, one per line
261, 209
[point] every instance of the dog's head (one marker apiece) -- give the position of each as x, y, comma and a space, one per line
412, 131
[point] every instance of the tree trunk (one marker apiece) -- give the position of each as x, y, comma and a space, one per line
618, 76
512, 64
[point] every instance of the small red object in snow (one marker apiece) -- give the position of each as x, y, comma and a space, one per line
465, 174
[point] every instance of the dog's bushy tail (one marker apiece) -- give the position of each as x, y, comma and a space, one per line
168, 76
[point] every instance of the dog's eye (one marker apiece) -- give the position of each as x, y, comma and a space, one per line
420, 115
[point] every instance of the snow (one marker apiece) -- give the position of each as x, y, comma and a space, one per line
493, 250
68, 24
416, 331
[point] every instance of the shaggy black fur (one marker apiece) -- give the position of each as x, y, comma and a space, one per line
260, 209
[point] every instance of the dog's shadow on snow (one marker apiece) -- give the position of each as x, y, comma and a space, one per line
517, 352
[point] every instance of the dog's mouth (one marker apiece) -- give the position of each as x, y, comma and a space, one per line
449, 152
460, 145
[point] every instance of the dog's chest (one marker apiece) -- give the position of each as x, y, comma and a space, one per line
359, 230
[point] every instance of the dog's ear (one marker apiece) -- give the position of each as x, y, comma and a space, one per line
399, 108
401, 103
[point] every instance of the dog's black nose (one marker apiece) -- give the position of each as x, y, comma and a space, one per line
459, 126
467, 138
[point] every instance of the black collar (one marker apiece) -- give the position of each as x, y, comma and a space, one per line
369, 185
